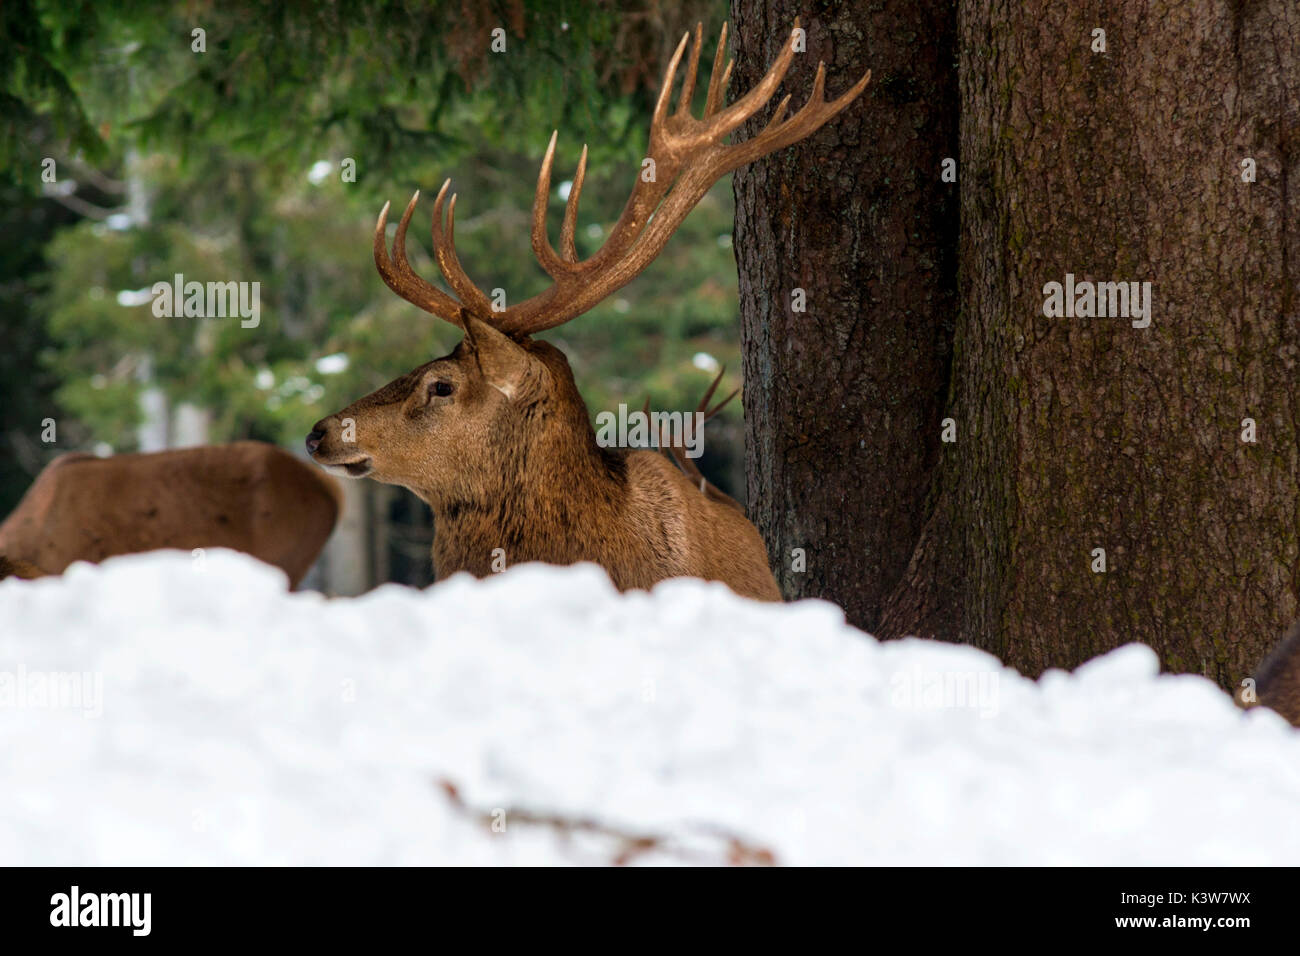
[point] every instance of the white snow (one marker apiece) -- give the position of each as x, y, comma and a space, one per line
235, 723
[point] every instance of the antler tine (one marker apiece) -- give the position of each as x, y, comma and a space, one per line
702, 408
387, 271
546, 256
530, 316
665, 91
711, 491
713, 412
738, 112
684, 462
688, 83
713, 387
687, 156
812, 115
704, 402
658, 441
567, 249
399, 276
444, 251
717, 77
399, 239
677, 454
777, 114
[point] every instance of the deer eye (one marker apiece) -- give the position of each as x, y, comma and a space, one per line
441, 389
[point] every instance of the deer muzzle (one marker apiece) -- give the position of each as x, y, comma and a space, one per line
327, 449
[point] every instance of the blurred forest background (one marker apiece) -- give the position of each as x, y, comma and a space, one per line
1080, 154
233, 164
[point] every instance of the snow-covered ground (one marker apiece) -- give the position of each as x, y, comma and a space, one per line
207, 716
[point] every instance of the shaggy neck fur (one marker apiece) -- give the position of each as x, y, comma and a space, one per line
553, 495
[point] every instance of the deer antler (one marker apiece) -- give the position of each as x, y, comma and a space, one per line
688, 156
678, 455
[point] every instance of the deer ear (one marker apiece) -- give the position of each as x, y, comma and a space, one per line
505, 364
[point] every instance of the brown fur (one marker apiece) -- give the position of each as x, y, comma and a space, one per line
505, 454
10, 568
510, 461
1277, 679
249, 496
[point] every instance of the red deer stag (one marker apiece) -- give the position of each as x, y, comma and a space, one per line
247, 495
495, 437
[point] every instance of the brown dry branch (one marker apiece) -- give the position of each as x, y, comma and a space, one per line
732, 851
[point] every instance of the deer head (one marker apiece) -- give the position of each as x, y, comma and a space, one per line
500, 419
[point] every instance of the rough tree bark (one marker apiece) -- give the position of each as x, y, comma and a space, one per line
841, 399
1074, 433
1089, 433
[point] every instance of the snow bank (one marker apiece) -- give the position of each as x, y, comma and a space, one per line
206, 716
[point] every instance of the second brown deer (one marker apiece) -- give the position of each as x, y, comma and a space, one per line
495, 436
248, 496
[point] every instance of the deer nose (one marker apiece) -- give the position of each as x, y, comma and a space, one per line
313, 440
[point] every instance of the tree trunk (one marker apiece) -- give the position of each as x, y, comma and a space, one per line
842, 401
1088, 433
1078, 438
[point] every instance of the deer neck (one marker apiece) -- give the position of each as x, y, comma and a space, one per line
559, 495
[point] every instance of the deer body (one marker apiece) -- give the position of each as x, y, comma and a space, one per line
249, 496
642, 521
543, 489
495, 436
